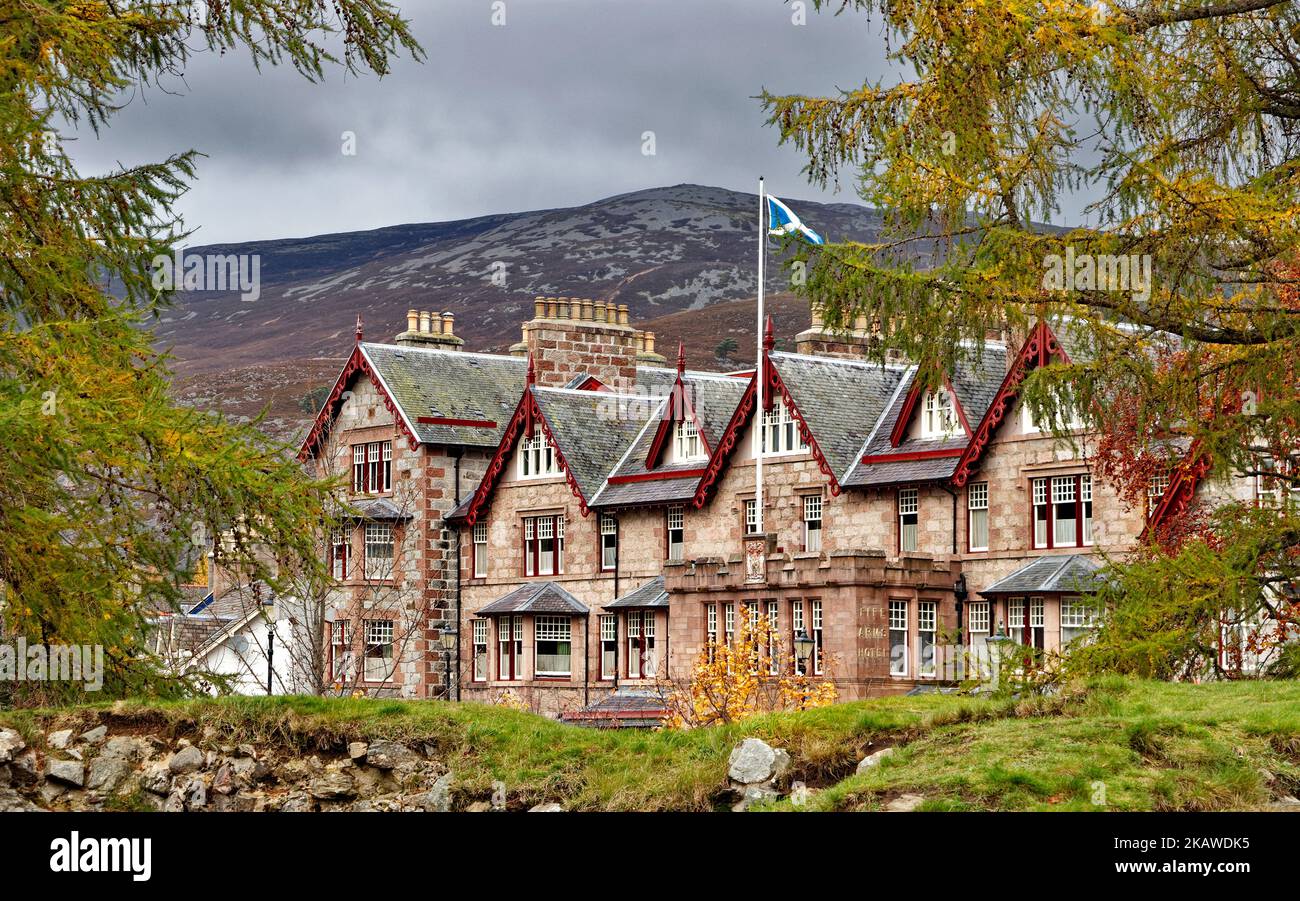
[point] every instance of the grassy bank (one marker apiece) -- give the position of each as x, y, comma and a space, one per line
1154, 746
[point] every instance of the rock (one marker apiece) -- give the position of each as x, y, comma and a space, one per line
124, 747
185, 761
75, 754
297, 802
175, 801
12, 802
871, 760
224, 782
24, 767
753, 795
11, 745
754, 761
196, 794
249, 771
60, 739
69, 772
5, 778
904, 803
550, 807
479, 807
332, 786
357, 750
436, 800
107, 773
94, 736
247, 751
379, 805
51, 792
387, 755
157, 778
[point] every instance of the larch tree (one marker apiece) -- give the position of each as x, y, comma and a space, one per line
110, 490
1176, 122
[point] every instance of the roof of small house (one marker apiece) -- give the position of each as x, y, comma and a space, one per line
536, 597
649, 594
1051, 574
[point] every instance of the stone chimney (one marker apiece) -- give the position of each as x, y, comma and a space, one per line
430, 329
569, 335
852, 342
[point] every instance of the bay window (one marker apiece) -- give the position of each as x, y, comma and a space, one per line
608, 542
898, 638
977, 613
608, 646
908, 518
1078, 620
926, 630
480, 650
480, 549
977, 516
379, 550
543, 545
1016, 620
1062, 511
379, 650
510, 648
553, 640
812, 523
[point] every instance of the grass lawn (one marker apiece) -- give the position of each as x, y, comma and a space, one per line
1153, 745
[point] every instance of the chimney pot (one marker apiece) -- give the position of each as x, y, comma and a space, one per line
622, 314
649, 342
412, 320
448, 319
600, 311
424, 321
551, 305
539, 307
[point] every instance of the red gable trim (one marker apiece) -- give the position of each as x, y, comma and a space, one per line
356, 365
527, 415
656, 476
1039, 349
678, 408
744, 413
1182, 488
469, 423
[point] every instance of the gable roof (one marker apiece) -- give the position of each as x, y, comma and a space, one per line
435, 396
1050, 574
536, 597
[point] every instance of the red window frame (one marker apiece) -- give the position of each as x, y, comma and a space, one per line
515, 655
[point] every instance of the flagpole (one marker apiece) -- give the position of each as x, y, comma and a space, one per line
758, 367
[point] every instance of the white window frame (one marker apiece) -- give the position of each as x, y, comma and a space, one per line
479, 651
608, 542
711, 628
480, 542
538, 529
909, 504
538, 458
1157, 485
675, 521
817, 636
977, 511
927, 623
379, 566
898, 663
773, 637
608, 646
340, 649
687, 444
797, 623
1076, 616
556, 629
379, 633
812, 523
938, 415
751, 515
778, 434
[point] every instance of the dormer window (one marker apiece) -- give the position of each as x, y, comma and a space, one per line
687, 445
780, 432
537, 459
938, 417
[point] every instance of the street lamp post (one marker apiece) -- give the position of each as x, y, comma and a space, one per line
803, 649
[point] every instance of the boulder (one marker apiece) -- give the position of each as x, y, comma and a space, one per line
387, 755
436, 800
60, 739
94, 736
69, 772
755, 761
24, 768
107, 773
11, 745
357, 750
156, 778
332, 786
249, 770
904, 803
185, 761
871, 760
755, 794
12, 802
124, 747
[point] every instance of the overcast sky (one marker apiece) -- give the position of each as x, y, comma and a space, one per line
546, 111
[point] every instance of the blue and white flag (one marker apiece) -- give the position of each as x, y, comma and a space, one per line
781, 220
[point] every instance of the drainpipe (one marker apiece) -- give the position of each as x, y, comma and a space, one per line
586, 663
456, 466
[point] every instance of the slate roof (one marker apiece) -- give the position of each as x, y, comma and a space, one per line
975, 384
651, 594
621, 709
1046, 575
714, 399
593, 429
536, 597
380, 509
445, 384
840, 400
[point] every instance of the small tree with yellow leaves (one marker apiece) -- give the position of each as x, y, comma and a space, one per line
752, 674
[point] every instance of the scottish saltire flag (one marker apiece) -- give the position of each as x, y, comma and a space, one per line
781, 220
